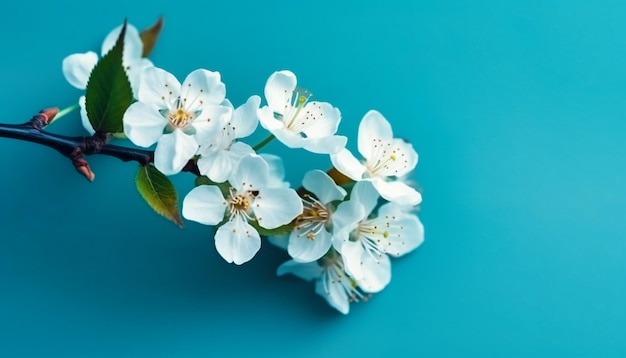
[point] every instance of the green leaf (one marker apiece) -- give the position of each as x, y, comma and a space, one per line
108, 92
159, 192
150, 36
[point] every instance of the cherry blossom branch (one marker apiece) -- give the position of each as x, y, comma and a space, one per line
75, 148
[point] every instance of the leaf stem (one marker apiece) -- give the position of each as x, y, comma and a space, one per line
263, 143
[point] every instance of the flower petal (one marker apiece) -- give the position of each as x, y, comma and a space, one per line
143, 124
133, 47
159, 88
324, 119
251, 174
323, 186
274, 207
373, 127
202, 87
405, 231
267, 120
347, 164
205, 204
83, 116
376, 273
352, 253
333, 292
279, 241
237, 241
277, 171
306, 271
325, 145
209, 122
77, 68
173, 151
134, 70
366, 194
397, 192
279, 89
303, 249
245, 118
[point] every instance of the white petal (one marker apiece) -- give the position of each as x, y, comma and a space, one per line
397, 192
143, 124
205, 204
274, 207
267, 120
217, 165
347, 164
366, 194
133, 47
173, 151
306, 271
245, 118
134, 71
376, 273
289, 138
158, 87
202, 87
279, 89
279, 241
346, 218
277, 171
303, 249
208, 123
325, 119
373, 127
400, 163
326, 145
332, 290
237, 241
77, 68
405, 232
352, 253
323, 186
250, 174
83, 116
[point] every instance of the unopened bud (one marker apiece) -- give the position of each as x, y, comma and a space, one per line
86, 171
48, 114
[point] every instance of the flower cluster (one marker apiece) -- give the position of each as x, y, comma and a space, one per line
340, 228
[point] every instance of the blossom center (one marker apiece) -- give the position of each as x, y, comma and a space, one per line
180, 118
386, 160
295, 119
314, 218
239, 203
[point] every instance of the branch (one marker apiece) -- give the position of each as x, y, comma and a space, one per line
75, 147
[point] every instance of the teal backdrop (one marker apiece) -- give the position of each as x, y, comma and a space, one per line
517, 110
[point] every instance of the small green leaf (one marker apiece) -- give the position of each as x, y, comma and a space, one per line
159, 192
150, 36
108, 92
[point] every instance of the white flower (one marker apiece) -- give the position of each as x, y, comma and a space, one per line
249, 200
365, 241
176, 117
295, 121
312, 235
386, 159
77, 67
331, 280
221, 153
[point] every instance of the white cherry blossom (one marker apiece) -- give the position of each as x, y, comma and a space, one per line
313, 232
176, 117
386, 159
365, 241
331, 281
295, 121
249, 201
221, 153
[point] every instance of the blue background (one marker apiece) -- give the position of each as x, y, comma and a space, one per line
517, 110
